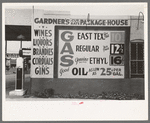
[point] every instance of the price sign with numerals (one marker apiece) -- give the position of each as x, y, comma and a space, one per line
117, 37
116, 49
117, 60
90, 53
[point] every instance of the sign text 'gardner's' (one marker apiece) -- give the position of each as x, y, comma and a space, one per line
106, 22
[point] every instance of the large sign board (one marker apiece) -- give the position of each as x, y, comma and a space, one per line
91, 53
81, 53
42, 50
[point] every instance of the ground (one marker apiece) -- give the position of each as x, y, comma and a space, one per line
10, 86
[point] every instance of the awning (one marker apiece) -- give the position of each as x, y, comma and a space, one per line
17, 33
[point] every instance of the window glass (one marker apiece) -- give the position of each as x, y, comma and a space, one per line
140, 51
133, 53
140, 67
133, 66
137, 60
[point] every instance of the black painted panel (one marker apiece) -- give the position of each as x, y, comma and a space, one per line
19, 78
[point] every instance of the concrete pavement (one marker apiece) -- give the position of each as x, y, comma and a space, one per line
10, 84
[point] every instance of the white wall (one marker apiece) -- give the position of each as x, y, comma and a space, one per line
14, 46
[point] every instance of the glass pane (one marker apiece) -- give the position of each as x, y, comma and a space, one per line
141, 67
133, 66
140, 51
133, 51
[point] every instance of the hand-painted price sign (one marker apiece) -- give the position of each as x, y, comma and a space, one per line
116, 49
82, 50
110, 71
116, 60
117, 37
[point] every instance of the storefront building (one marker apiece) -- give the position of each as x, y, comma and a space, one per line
72, 54
94, 54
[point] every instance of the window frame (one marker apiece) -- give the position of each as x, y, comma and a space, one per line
135, 41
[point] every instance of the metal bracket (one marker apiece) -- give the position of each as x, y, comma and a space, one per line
88, 19
139, 18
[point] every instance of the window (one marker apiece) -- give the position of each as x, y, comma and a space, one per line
137, 59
